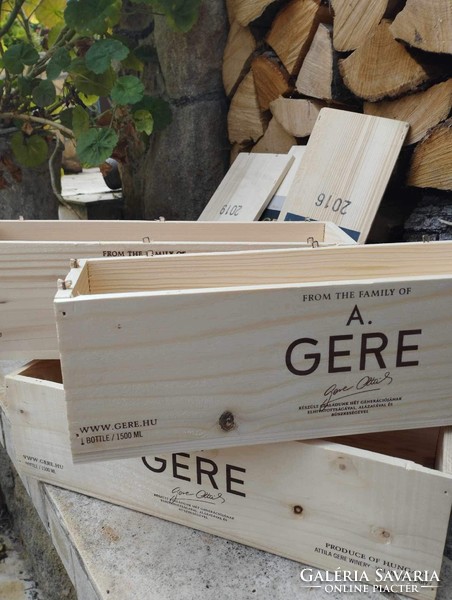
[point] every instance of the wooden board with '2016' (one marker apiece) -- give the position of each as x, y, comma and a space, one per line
207, 351
348, 161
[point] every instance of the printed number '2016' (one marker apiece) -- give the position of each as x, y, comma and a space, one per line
232, 210
337, 205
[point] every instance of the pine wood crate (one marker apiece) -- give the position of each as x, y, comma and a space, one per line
34, 254
362, 503
213, 350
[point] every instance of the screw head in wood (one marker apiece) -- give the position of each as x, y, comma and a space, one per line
227, 421
64, 284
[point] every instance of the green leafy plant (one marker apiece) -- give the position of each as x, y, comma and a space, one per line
58, 57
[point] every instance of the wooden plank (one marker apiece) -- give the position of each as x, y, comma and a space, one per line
348, 161
161, 231
177, 362
264, 268
247, 187
271, 213
302, 500
30, 268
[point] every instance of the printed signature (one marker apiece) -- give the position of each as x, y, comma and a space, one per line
365, 384
200, 496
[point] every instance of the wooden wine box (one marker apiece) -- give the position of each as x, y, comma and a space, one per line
362, 503
35, 254
212, 350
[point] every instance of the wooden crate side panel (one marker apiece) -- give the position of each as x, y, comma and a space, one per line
28, 282
129, 231
289, 362
320, 503
444, 462
265, 268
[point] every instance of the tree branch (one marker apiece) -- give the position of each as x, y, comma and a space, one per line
9, 23
40, 120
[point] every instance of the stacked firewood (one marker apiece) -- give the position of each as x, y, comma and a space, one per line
286, 59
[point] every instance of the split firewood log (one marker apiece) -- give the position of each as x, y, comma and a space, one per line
297, 116
382, 67
425, 24
245, 11
239, 47
431, 165
293, 30
422, 110
270, 79
354, 21
275, 140
245, 119
319, 75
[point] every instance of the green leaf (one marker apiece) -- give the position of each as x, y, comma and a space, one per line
144, 121
132, 63
60, 61
50, 12
26, 85
127, 90
159, 108
96, 145
30, 151
19, 56
92, 16
181, 14
80, 120
65, 117
88, 82
54, 33
102, 52
44, 93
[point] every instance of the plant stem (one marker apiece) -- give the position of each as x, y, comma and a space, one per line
9, 23
66, 41
55, 186
26, 25
40, 120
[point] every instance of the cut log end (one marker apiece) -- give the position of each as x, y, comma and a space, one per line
381, 68
431, 165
